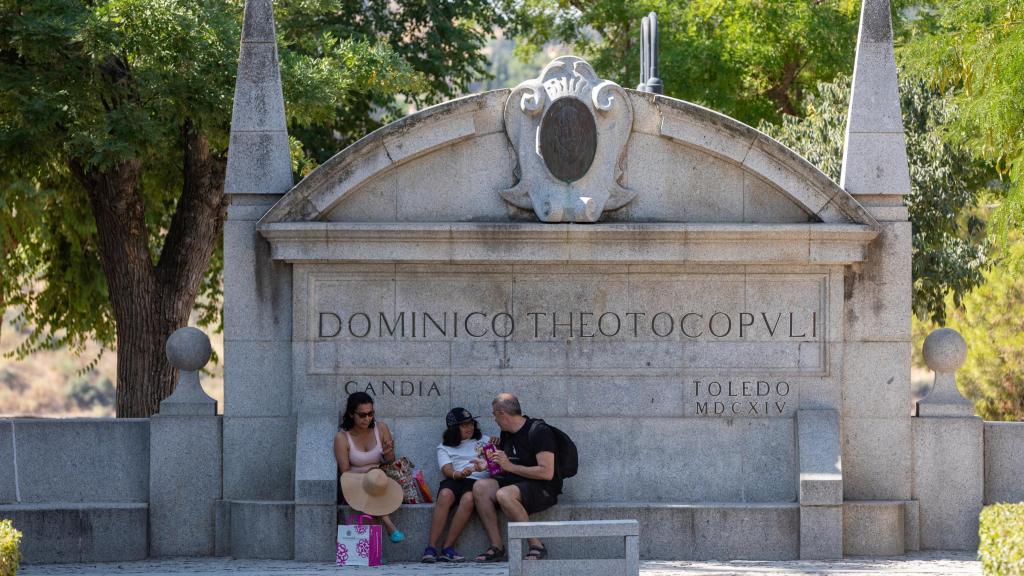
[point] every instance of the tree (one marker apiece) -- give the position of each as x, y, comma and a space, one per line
751, 59
441, 41
949, 250
974, 48
114, 119
991, 320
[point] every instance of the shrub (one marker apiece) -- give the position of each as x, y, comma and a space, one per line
992, 323
1001, 531
10, 553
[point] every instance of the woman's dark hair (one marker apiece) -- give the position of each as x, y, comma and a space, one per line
355, 400
453, 437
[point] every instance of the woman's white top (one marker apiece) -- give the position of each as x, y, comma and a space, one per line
459, 456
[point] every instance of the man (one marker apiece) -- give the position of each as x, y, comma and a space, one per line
528, 482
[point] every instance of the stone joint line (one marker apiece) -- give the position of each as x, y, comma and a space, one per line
14, 456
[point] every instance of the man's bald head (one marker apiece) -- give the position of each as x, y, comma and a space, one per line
507, 403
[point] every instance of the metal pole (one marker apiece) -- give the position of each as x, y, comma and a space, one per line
645, 39
653, 81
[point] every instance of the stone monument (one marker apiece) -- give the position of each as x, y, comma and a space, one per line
723, 329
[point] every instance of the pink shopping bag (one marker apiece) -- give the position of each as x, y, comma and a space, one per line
359, 544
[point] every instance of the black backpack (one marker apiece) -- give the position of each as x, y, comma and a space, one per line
567, 458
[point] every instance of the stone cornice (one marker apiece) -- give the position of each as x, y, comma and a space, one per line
673, 243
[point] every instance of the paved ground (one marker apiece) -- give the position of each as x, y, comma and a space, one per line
925, 563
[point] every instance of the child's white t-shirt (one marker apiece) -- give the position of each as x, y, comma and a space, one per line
459, 456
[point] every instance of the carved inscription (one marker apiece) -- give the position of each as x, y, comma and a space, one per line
713, 345
733, 397
571, 324
394, 387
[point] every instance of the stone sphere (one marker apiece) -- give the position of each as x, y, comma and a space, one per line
944, 350
188, 349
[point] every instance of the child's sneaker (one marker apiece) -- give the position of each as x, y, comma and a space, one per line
397, 536
450, 555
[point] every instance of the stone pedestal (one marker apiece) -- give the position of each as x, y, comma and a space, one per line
821, 485
949, 467
948, 481
316, 486
257, 291
185, 457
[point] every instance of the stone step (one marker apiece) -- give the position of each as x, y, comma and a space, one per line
579, 567
58, 532
690, 531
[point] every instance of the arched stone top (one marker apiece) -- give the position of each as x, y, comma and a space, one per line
388, 147
450, 162
759, 154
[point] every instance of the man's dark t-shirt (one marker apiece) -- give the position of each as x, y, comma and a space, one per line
523, 446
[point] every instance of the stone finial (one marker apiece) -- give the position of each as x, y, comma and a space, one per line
259, 157
875, 168
944, 352
188, 350
649, 80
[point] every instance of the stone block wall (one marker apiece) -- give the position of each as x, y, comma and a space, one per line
74, 460
1004, 462
77, 489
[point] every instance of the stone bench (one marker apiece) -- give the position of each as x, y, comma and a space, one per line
627, 529
59, 532
701, 531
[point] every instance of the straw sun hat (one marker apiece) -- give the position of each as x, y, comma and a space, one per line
372, 493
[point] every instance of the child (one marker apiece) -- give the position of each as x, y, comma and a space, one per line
458, 457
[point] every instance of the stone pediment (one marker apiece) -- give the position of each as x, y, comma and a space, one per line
475, 169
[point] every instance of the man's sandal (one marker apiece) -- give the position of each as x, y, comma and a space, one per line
492, 554
537, 553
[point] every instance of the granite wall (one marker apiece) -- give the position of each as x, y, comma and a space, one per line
76, 488
1004, 462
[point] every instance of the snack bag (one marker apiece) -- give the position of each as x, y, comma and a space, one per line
492, 466
422, 483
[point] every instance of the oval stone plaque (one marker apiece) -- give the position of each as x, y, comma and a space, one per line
568, 139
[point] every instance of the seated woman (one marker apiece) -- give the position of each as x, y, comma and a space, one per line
362, 444
458, 457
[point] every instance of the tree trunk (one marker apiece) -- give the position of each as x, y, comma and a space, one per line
151, 301
779, 93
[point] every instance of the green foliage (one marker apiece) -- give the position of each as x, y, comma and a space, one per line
974, 47
947, 182
1001, 532
442, 42
510, 65
992, 323
10, 551
751, 59
100, 84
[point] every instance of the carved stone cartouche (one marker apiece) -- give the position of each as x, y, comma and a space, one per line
569, 130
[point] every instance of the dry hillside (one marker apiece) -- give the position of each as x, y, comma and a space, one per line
56, 383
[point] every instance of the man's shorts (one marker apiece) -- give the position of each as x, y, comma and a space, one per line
536, 496
458, 487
